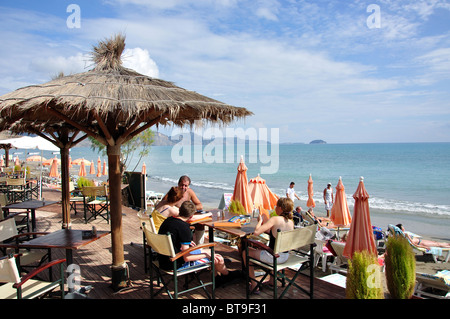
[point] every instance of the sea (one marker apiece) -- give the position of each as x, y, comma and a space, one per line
408, 183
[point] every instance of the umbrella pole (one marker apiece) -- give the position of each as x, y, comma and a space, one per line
65, 196
119, 267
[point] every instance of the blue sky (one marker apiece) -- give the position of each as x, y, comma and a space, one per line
312, 69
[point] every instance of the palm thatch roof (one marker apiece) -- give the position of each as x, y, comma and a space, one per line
109, 100
112, 104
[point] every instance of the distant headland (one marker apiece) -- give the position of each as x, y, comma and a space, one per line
318, 142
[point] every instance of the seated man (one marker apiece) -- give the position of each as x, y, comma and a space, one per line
181, 234
189, 195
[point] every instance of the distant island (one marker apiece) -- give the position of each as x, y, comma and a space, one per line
318, 142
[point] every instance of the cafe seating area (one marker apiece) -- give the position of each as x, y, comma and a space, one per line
94, 262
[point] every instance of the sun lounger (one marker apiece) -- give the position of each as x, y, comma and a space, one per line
435, 252
433, 286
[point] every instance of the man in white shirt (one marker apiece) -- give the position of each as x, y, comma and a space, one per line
290, 192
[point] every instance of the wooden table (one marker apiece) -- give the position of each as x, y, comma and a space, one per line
30, 206
68, 239
242, 231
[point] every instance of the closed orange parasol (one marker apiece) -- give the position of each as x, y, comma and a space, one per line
241, 192
261, 194
92, 168
104, 172
310, 203
54, 168
99, 167
340, 214
82, 171
360, 236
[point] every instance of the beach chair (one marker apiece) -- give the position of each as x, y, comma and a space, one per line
340, 263
96, 202
321, 253
162, 244
27, 287
286, 241
433, 286
435, 252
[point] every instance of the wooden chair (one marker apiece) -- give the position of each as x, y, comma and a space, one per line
74, 198
96, 202
286, 241
29, 258
148, 221
162, 244
18, 189
21, 218
27, 287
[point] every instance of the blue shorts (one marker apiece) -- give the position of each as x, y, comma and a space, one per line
194, 263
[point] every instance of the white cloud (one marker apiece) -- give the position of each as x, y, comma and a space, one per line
53, 65
139, 60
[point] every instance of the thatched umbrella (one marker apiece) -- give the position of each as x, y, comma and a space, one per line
112, 104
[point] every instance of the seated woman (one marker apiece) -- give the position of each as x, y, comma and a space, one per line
166, 207
284, 222
424, 243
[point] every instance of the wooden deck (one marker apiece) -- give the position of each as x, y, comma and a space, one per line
95, 260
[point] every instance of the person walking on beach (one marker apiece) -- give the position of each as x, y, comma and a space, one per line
328, 198
290, 192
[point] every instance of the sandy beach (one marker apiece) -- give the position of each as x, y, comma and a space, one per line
424, 263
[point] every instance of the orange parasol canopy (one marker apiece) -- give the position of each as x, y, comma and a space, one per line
340, 214
360, 236
78, 161
36, 158
241, 192
54, 168
260, 193
50, 161
310, 203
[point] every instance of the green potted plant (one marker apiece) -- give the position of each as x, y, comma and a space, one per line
82, 181
400, 262
364, 277
236, 208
